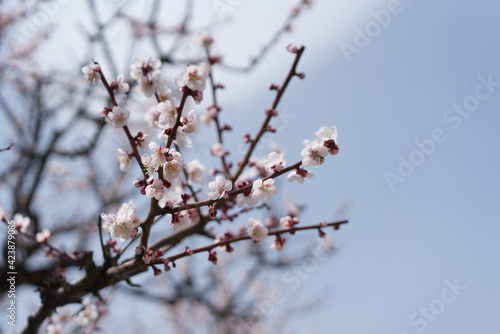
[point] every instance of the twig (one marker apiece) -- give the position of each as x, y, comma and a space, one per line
279, 94
236, 239
7, 148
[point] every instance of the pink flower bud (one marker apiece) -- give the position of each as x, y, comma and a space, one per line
292, 48
273, 86
246, 138
212, 257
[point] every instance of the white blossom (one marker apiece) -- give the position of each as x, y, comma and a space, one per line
195, 172
21, 222
181, 138
87, 314
257, 231
195, 77
314, 153
91, 74
207, 118
54, 329
158, 158
42, 236
173, 167
276, 246
288, 221
122, 86
146, 162
263, 189
275, 162
155, 189
243, 199
152, 116
299, 175
324, 133
173, 194
218, 150
124, 224
151, 83
118, 117
141, 68
191, 123
205, 40
167, 115
124, 160
219, 187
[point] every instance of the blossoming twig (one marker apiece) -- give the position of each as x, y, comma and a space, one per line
279, 94
217, 108
131, 140
225, 242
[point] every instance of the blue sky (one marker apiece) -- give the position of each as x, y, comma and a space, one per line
440, 224
404, 245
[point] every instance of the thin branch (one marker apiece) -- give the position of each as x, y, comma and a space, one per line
186, 92
7, 148
279, 94
216, 106
225, 242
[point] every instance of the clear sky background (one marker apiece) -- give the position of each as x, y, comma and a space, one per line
403, 242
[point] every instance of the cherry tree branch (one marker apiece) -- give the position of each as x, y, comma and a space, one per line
218, 109
135, 151
7, 148
230, 194
185, 93
225, 242
263, 128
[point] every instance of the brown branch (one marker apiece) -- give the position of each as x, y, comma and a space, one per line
185, 94
279, 94
216, 106
236, 239
285, 27
135, 151
7, 148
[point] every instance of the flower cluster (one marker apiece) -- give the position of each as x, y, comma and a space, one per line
120, 85
92, 74
124, 225
195, 77
167, 119
257, 231
148, 75
316, 150
164, 179
116, 116
21, 222
124, 160
275, 162
87, 314
219, 187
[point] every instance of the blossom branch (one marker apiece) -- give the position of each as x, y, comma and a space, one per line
230, 194
225, 242
135, 151
263, 128
217, 110
185, 94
